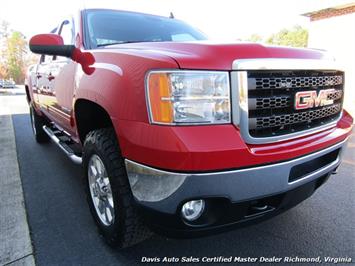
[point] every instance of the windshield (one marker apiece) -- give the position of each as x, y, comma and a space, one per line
107, 27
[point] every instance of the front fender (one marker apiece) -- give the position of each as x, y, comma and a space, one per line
117, 83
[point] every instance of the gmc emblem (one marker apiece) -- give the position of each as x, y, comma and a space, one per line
310, 99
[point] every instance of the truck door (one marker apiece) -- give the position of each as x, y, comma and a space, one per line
60, 76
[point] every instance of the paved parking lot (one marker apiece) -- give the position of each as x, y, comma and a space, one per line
63, 232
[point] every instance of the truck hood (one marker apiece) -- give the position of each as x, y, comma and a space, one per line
217, 56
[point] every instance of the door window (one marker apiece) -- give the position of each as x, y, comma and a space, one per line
66, 30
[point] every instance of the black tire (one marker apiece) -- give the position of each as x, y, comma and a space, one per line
37, 123
127, 229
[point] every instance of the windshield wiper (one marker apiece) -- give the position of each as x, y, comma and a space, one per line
121, 42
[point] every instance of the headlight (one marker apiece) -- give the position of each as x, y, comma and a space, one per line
188, 97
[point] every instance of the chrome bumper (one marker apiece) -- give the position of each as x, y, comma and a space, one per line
165, 191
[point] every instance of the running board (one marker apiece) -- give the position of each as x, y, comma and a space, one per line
62, 145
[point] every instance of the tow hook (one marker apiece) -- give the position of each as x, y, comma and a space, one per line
335, 171
258, 208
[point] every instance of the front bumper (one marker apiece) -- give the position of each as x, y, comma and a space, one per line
215, 147
230, 195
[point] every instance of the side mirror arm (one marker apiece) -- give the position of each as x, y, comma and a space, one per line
85, 59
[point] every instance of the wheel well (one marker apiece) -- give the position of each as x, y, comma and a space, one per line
28, 97
90, 116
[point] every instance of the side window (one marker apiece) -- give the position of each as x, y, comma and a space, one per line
45, 59
67, 32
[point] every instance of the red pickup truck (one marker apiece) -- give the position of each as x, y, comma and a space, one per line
179, 134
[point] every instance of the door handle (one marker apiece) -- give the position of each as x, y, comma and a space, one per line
50, 77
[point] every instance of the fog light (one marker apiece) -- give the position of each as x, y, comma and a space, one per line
193, 209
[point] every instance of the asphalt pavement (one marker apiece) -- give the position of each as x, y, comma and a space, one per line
63, 232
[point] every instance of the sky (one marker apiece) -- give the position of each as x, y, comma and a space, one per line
219, 19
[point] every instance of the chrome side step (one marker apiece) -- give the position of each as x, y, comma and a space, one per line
62, 145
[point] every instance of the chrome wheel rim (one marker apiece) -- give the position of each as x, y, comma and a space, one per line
100, 190
33, 122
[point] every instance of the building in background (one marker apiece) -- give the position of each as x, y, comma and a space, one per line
333, 29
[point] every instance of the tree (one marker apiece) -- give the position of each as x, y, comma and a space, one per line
4, 31
296, 37
13, 50
254, 38
15, 56
3, 71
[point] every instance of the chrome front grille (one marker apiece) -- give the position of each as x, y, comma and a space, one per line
271, 101
282, 120
294, 82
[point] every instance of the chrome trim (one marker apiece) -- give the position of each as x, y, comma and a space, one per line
285, 63
152, 185
146, 85
76, 159
239, 84
239, 92
240, 185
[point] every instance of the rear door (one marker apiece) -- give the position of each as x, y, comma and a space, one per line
41, 84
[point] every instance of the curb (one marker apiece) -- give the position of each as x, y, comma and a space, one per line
15, 241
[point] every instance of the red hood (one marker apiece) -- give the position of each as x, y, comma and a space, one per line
216, 56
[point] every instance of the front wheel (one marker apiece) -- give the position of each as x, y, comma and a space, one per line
108, 192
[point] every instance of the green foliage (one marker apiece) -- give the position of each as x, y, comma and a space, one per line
254, 38
16, 50
296, 37
13, 52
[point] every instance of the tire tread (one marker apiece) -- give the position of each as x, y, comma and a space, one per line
131, 227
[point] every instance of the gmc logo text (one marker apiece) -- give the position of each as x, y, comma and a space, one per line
310, 99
